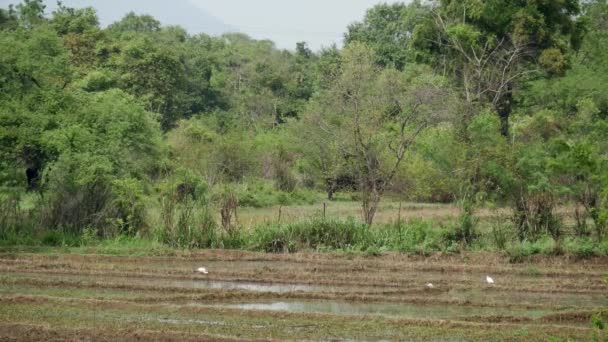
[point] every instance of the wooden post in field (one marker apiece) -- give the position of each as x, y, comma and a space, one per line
399, 225
324, 209
280, 209
399, 218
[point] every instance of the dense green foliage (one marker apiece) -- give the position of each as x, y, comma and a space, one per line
143, 130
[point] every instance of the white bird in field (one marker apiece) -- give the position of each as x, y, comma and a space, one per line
430, 286
202, 270
489, 280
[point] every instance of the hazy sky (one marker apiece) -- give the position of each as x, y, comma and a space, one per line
286, 22
318, 22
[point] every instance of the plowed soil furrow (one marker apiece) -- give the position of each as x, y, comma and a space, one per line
304, 296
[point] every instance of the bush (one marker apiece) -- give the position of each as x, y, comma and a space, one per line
331, 233
186, 226
186, 220
259, 194
501, 233
129, 201
415, 236
234, 240
255, 194
464, 230
272, 238
93, 161
59, 238
79, 193
312, 234
11, 217
582, 248
519, 252
580, 228
82, 192
284, 178
229, 204
535, 216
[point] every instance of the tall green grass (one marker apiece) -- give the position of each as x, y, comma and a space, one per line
263, 194
421, 237
312, 234
416, 236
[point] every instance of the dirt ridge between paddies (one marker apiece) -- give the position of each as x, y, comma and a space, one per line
472, 321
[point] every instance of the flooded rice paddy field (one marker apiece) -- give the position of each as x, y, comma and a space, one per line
249, 296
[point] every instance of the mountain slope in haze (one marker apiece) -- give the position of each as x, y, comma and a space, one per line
176, 12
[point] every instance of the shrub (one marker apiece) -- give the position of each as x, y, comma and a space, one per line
256, 194
186, 220
88, 237
82, 192
229, 203
59, 238
582, 248
330, 233
534, 216
272, 238
284, 178
52, 238
259, 194
580, 227
129, 201
95, 158
415, 236
518, 252
186, 226
501, 233
79, 193
235, 240
234, 160
312, 234
464, 230
10, 214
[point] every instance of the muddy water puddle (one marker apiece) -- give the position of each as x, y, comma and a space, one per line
486, 296
183, 283
412, 311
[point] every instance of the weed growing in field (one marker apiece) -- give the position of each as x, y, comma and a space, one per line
518, 252
417, 236
312, 234
501, 229
189, 227
263, 194
599, 327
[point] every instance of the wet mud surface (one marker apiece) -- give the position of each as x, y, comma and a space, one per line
249, 296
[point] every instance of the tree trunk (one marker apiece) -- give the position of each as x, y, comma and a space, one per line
371, 199
504, 107
332, 186
591, 202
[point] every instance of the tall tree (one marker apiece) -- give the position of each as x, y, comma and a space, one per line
156, 74
388, 29
491, 46
375, 117
136, 23
80, 31
31, 12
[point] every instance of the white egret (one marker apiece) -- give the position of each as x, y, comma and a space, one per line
430, 286
489, 280
202, 270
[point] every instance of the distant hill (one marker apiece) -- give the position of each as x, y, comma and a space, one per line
176, 12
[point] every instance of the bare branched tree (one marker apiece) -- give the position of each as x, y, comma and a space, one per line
489, 69
489, 47
375, 116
